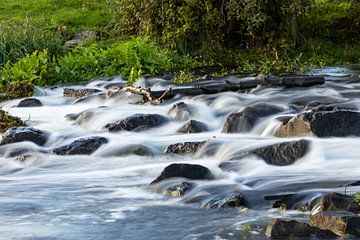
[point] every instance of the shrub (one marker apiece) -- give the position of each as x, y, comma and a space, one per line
33, 69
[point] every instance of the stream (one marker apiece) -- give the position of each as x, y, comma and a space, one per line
106, 195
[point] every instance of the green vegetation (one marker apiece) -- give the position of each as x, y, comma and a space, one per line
7, 121
151, 37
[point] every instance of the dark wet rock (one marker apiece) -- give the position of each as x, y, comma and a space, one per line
193, 126
180, 111
341, 223
334, 202
79, 93
329, 107
178, 190
282, 154
284, 229
245, 120
190, 171
30, 102
322, 124
137, 122
83, 146
20, 134
228, 201
185, 147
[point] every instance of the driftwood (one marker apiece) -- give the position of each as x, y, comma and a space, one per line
146, 93
214, 86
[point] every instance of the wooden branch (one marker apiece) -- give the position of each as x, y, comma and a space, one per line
146, 93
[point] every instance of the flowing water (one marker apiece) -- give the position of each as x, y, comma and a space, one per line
107, 196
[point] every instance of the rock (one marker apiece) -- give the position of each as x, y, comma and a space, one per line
80, 38
83, 146
30, 102
282, 154
185, 147
284, 229
79, 93
20, 134
334, 202
180, 111
341, 223
193, 126
178, 190
322, 124
137, 122
230, 201
245, 120
295, 126
190, 171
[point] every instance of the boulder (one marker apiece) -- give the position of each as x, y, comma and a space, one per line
83, 146
178, 190
334, 202
193, 126
295, 126
137, 122
322, 124
282, 154
20, 134
228, 201
180, 111
340, 223
183, 170
185, 147
30, 102
284, 229
245, 119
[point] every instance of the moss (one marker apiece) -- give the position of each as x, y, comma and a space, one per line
7, 121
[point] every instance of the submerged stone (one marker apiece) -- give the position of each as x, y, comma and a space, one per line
83, 146
178, 190
193, 126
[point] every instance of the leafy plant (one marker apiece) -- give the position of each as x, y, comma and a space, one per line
33, 69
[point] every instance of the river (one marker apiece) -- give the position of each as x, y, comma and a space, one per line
107, 196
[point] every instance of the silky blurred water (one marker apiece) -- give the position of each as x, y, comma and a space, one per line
108, 197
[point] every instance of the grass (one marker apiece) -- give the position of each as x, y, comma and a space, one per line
62, 15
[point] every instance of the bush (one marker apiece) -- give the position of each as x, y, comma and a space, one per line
195, 24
